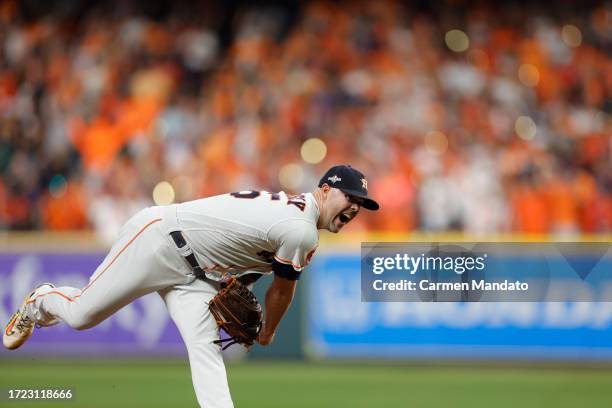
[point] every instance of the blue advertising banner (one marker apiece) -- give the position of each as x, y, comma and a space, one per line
340, 324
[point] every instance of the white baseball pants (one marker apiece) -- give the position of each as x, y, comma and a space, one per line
143, 260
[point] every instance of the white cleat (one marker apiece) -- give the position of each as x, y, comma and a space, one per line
20, 327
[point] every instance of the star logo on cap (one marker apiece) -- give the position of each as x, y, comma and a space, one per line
334, 179
364, 183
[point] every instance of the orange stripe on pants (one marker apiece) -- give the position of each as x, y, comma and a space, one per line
104, 270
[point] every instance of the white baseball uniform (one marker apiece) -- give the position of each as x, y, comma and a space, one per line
231, 233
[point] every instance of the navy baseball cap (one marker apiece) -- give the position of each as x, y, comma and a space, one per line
352, 182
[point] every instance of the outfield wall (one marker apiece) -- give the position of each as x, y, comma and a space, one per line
143, 327
328, 320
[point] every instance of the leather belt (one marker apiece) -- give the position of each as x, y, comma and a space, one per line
181, 243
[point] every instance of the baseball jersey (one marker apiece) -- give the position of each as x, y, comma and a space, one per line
250, 231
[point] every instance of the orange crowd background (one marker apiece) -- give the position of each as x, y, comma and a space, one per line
507, 132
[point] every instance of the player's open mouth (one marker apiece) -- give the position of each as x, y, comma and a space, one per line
345, 217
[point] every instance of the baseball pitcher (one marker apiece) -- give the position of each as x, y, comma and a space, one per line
200, 256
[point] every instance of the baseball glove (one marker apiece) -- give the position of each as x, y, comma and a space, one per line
237, 311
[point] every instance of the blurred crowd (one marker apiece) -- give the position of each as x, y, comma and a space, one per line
476, 118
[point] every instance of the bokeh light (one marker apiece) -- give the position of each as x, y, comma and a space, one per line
571, 35
457, 40
529, 75
163, 193
58, 186
436, 142
525, 127
313, 150
291, 176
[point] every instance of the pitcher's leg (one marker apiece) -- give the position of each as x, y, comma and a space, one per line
130, 270
188, 307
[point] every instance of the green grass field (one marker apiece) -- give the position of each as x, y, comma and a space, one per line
135, 383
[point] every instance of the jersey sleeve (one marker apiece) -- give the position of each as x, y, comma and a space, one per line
297, 241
